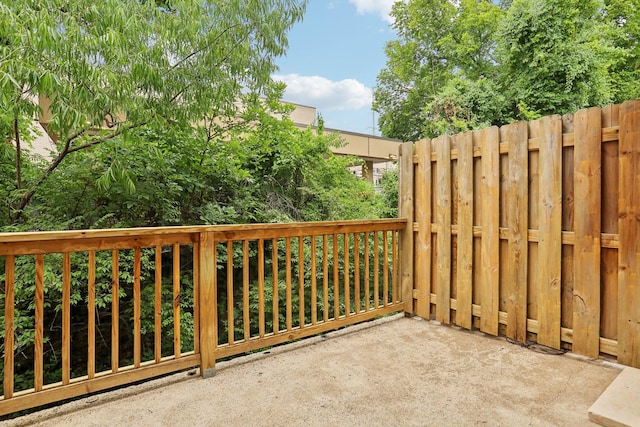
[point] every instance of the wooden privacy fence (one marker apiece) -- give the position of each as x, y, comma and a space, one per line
531, 230
89, 310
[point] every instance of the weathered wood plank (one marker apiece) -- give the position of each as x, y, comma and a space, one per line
423, 239
385, 268
325, 277
443, 219
587, 228
276, 286
196, 298
490, 292
465, 230
314, 282
550, 238
356, 273
376, 270
629, 231
336, 279
301, 303
289, 308
345, 275
367, 278
518, 233
406, 210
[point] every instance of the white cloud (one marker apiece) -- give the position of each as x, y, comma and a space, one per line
325, 94
381, 7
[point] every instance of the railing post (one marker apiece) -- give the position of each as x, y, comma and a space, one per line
208, 305
405, 210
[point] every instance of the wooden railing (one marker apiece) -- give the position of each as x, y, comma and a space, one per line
113, 307
531, 230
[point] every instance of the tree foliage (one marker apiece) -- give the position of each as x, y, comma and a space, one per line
122, 65
478, 63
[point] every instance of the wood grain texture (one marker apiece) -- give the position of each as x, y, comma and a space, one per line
9, 301
157, 318
443, 221
115, 311
465, 230
629, 231
550, 226
587, 228
137, 349
91, 316
422, 242
66, 318
406, 211
38, 365
518, 225
208, 304
490, 293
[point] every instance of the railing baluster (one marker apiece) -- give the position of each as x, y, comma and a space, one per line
261, 288
157, 323
376, 271
288, 283
336, 279
39, 326
91, 314
314, 284
356, 271
66, 318
230, 315
394, 267
385, 267
196, 298
347, 293
9, 301
276, 286
176, 301
115, 311
245, 290
136, 308
301, 281
325, 277
367, 279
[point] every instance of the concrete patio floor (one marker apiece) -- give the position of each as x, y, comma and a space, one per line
390, 372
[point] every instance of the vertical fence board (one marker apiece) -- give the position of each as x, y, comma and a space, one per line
376, 270
356, 272
550, 234
490, 292
443, 220
9, 298
345, 275
208, 304
245, 291
325, 278
385, 268
465, 230
314, 282
136, 308
629, 231
423, 218
587, 224
196, 298
115, 311
261, 323
176, 300
276, 286
367, 279
157, 333
230, 297
406, 210
518, 232
39, 325
66, 318
91, 316
301, 302
336, 279
289, 309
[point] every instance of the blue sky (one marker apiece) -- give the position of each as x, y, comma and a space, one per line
334, 57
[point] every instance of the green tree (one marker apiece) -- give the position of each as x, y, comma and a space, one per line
128, 64
555, 55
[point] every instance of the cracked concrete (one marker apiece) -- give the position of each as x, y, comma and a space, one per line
400, 372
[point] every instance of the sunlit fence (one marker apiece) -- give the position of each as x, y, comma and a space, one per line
84, 311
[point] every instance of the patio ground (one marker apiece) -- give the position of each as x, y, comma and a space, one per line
391, 372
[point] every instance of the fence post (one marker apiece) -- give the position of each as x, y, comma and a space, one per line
405, 210
208, 305
629, 232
